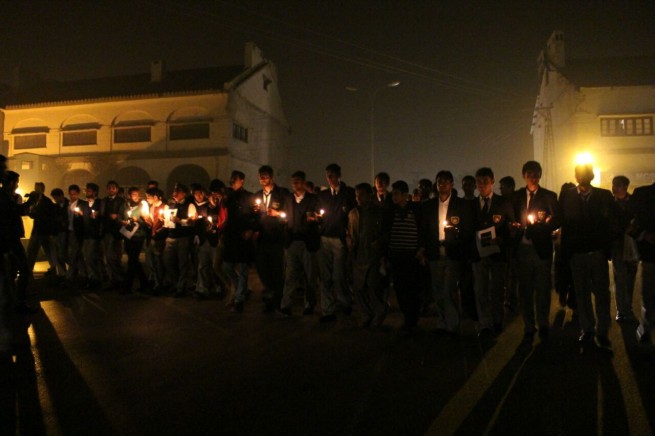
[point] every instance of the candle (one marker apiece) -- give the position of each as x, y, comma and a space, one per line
258, 201
77, 209
283, 215
445, 223
321, 212
209, 219
531, 218
145, 210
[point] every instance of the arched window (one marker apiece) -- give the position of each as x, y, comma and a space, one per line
30, 133
80, 130
189, 123
133, 126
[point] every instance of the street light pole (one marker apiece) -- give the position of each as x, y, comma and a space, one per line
372, 96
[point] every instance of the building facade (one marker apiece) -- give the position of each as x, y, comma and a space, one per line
594, 110
171, 126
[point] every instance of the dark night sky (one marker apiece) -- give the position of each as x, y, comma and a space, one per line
468, 69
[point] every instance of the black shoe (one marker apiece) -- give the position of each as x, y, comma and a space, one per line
179, 294
603, 342
586, 338
328, 318
309, 310
284, 313
237, 308
269, 307
620, 317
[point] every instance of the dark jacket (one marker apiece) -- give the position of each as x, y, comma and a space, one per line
92, 223
642, 203
501, 217
240, 219
41, 211
271, 228
336, 208
60, 216
111, 206
366, 234
298, 228
588, 225
459, 233
545, 209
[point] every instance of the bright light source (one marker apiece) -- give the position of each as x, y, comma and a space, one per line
584, 158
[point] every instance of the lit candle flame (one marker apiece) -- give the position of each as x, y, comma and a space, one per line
445, 223
531, 218
321, 212
283, 215
161, 212
77, 209
145, 210
209, 219
258, 201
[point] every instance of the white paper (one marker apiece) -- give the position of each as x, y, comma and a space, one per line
168, 214
483, 240
129, 233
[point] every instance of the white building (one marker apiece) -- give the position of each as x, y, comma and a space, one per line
595, 109
187, 126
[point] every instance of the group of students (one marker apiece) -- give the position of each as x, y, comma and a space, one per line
441, 253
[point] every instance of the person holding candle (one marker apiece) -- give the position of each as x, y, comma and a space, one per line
156, 238
75, 267
239, 243
113, 209
269, 259
537, 210
90, 211
180, 215
134, 216
334, 205
446, 238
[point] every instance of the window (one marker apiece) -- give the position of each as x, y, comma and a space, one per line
627, 126
83, 137
239, 132
132, 134
189, 131
22, 142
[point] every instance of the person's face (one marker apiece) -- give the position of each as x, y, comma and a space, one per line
199, 196
73, 195
444, 186
135, 197
112, 190
381, 186
178, 195
298, 185
150, 199
532, 179
362, 197
485, 185
265, 180
468, 186
90, 193
584, 176
619, 190
38, 188
236, 183
216, 196
506, 190
398, 197
332, 179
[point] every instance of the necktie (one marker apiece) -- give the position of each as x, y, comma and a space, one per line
530, 197
485, 208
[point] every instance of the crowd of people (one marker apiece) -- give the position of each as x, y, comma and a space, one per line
444, 255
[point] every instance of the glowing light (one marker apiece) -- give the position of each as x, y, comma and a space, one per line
321, 212
584, 159
531, 218
145, 210
209, 219
258, 201
283, 215
77, 209
445, 223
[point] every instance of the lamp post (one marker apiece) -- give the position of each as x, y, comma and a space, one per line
371, 95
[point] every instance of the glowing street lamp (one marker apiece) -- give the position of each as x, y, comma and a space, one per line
372, 117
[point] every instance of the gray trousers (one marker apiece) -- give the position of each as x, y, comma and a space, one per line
207, 281
155, 261
334, 287
647, 321
176, 260
489, 280
74, 259
298, 274
444, 274
625, 275
112, 249
534, 287
591, 276
59, 252
238, 275
91, 250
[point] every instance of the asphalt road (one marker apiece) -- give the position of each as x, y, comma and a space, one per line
103, 363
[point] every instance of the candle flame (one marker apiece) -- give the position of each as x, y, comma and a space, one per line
531, 218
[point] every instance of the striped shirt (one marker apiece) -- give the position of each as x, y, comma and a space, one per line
404, 232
